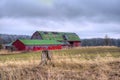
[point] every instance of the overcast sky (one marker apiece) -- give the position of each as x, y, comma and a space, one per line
87, 18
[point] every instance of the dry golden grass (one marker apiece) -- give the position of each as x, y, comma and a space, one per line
87, 70
3, 52
70, 64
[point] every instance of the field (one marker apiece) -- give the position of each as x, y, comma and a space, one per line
82, 63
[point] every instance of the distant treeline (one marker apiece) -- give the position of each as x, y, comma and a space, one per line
5, 38
100, 42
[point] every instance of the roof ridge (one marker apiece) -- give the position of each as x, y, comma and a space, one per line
56, 31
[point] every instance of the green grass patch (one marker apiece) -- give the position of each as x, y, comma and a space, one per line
85, 53
21, 56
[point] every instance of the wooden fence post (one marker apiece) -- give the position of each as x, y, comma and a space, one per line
46, 57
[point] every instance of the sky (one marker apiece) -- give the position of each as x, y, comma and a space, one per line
87, 18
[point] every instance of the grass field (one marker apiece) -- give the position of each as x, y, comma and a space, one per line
83, 63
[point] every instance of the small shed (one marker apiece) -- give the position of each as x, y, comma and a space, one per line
34, 45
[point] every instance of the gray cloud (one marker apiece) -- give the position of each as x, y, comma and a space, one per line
85, 17
24, 8
93, 9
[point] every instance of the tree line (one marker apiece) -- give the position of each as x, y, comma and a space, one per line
100, 42
5, 39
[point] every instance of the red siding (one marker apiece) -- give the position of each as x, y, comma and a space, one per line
19, 45
50, 47
76, 43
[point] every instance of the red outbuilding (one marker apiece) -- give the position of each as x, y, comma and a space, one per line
34, 45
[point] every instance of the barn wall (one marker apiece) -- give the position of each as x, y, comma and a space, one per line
49, 47
76, 43
36, 35
19, 45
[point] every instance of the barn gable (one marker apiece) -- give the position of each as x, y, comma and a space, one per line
18, 45
59, 36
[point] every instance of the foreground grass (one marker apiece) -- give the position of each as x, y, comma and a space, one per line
87, 63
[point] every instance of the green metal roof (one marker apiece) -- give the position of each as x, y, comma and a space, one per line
59, 36
9, 44
40, 42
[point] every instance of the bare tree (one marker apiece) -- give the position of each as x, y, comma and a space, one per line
107, 40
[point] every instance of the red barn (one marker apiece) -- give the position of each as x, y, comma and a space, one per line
48, 40
22, 44
69, 39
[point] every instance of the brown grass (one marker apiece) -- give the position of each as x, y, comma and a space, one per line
66, 67
63, 71
3, 52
